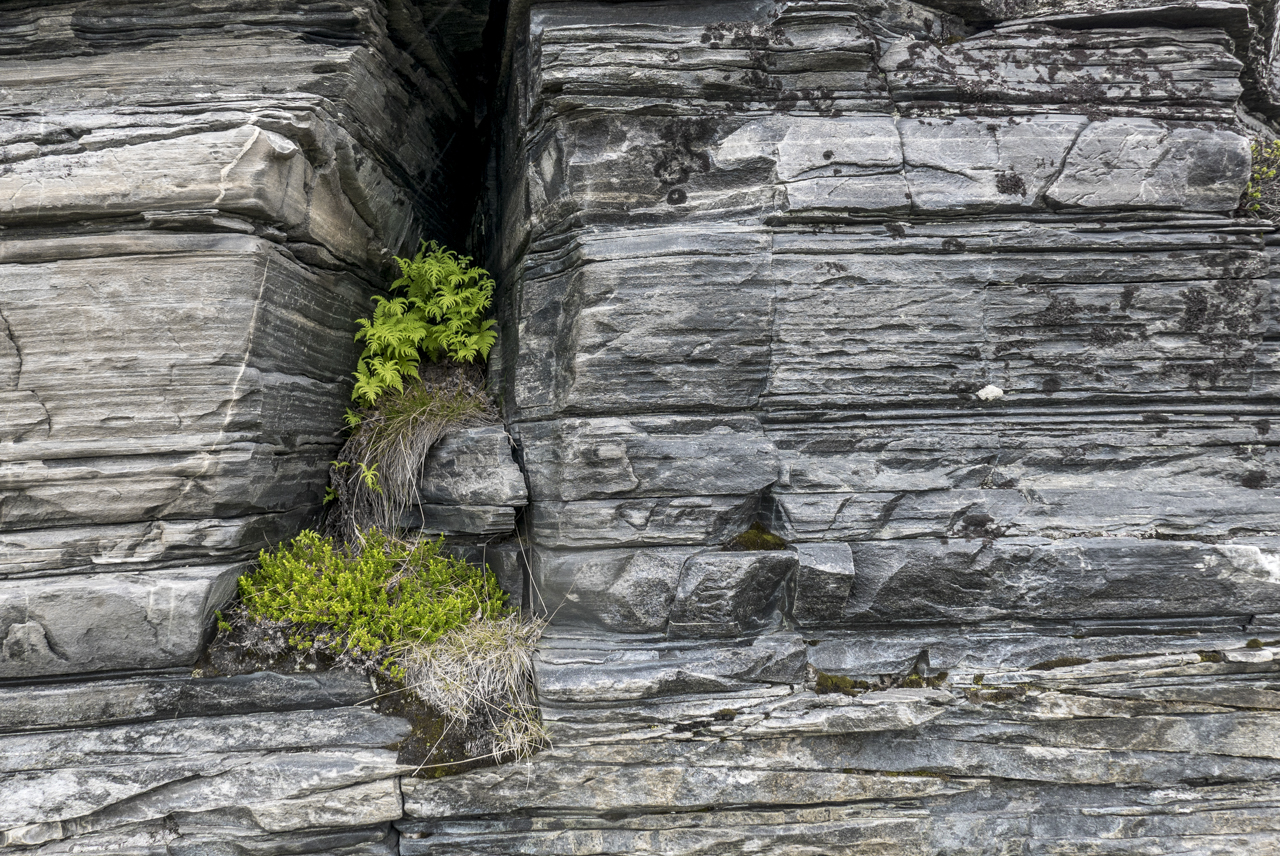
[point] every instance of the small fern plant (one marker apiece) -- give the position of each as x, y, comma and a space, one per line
441, 312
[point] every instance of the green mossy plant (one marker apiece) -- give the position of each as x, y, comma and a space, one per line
755, 538
361, 609
839, 684
440, 313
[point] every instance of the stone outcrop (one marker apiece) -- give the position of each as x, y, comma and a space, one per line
769, 265
951, 297
174, 764
198, 199
470, 485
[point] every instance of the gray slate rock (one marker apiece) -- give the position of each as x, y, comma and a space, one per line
1138, 163
64, 625
922, 580
473, 466
436, 520
648, 456
216, 193
726, 594
822, 582
146, 698
627, 590
1172, 74
65, 784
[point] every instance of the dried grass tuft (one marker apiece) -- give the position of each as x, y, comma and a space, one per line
392, 442
480, 678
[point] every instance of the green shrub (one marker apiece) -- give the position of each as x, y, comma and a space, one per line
441, 313
1262, 197
364, 607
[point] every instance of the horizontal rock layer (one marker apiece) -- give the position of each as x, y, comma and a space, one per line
1138, 744
174, 764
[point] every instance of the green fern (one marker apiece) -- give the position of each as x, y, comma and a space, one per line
441, 313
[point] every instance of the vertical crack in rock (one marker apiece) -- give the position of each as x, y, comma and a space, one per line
16, 384
1066, 156
210, 455
17, 350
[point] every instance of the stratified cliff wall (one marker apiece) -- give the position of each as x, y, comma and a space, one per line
954, 301
952, 298
197, 199
775, 253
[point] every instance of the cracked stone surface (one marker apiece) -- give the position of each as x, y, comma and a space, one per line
837, 232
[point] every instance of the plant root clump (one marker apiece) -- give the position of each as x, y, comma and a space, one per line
480, 678
375, 476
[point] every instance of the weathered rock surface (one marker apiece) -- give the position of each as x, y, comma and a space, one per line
891, 211
473, 467
470, 485
197, 200
664, 750
97, 622
822, 582
759, 263
727, 594
258, 763
768, 264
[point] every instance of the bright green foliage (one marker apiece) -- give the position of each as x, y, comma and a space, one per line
454, 296
441, 313
1262, 198
391, 594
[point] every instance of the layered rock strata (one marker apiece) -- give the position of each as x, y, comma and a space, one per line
168, 763
765, 304
1144, 743
198, 199
952, 300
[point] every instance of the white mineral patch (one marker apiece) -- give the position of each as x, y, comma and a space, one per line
990, 393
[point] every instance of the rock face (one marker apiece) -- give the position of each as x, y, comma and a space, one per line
952, 300
198, 199
950, 297
1120, 744
470, 485
773, 269
174, 764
